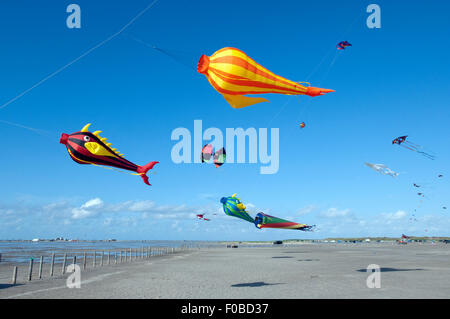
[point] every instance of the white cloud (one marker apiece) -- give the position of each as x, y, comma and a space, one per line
334, 212
88, 209
394, 216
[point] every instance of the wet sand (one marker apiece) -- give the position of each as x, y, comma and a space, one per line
294, 271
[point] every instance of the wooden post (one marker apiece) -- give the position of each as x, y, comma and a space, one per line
95, 257
121, 257
30, 269
103, 255
115, 257
14, 277
52, 266
64, 264
84, 260
109, 257
0, 257
40, 267
131, 255
74, 261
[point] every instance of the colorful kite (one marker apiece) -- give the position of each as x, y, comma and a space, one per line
302, 124
202, 216
266, 221
401, 140
207, 152
219, 156
232, 206
342, 45
85, 147
234, 74
383, 169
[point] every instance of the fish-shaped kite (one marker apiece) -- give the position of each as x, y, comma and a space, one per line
85, 147
232, 206
234, 74
266, 221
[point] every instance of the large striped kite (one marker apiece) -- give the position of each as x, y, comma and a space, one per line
234, 74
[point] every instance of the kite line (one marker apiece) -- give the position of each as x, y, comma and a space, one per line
80, 57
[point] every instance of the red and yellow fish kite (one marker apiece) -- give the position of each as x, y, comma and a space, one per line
234, 74
85, 147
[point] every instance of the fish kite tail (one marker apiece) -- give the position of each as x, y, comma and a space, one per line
313, 91
142, 170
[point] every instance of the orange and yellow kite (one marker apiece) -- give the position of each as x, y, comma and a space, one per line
234, 74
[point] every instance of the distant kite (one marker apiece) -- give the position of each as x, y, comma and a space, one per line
342, 45
219, 156
202, 216
234, 74
266, 221
85, 147
207, 152
401, 141
302, 124
382, 169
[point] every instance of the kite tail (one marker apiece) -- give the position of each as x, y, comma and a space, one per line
142, 170
313, 91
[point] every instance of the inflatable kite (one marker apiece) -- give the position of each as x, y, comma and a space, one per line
266, 221
401, 140
219, 156
207, 152
85, 147
382, 169
232, 206
234, 74
342, 45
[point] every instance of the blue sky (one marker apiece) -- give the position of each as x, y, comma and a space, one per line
393, 81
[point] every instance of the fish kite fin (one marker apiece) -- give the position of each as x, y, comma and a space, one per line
240, 101
142, 170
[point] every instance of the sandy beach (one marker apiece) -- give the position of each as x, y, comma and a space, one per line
288, 271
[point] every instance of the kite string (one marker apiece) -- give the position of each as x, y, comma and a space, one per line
80, 57
154, 47
35, 130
